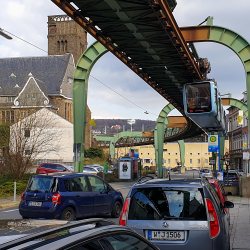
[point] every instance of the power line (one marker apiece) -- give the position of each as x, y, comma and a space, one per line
145, 111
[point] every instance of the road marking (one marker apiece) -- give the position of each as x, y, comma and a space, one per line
10, 210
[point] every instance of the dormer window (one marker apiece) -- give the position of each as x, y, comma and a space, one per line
10, 98
16, 86
34, 96
28, 96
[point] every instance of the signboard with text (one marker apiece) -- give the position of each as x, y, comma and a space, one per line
213, 143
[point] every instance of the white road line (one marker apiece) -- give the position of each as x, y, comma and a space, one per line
10, 210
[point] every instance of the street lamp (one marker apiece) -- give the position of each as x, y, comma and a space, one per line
5, 35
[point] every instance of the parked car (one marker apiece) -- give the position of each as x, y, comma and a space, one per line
233, 178
96, 168
68, 196
175, 169
177, 214
205, 172
240, 172
46, 168
221, 193
85, 234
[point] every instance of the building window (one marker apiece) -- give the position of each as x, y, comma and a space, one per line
191, 161
169, 161
12, 116
58, 46
7, 116
34, 96
206, 161
3, 116
176, 160
10, 99
168, 153
62, 46
198, 153
27, 133
198, 161
28, 96
176, 153
191, 153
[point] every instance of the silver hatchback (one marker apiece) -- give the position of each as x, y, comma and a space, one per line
177, 214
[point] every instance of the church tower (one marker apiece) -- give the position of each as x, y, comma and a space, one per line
66, 36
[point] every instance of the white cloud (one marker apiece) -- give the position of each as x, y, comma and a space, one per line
28, 19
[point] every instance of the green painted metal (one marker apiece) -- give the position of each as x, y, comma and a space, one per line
182, 152
240, 105
240, 46
80, 91
112, 140
159, 133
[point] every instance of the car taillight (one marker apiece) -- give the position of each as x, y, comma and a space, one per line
22, 196
56, 199
124, 213
213, 219
236, 178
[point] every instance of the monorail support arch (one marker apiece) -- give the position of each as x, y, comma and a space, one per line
80, 92
159, 131
227, 37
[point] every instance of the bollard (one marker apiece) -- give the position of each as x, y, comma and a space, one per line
14, 191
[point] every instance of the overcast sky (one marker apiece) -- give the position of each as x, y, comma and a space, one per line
28, 19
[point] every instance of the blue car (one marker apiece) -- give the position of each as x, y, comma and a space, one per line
68, 196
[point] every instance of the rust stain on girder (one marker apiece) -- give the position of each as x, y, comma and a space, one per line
196, 33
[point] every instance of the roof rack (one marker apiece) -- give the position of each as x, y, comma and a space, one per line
98, 221
146, 178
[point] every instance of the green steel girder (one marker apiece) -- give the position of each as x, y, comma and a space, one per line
80, 91
160, 133
113, 140
240, 105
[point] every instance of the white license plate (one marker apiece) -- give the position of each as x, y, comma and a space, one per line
35, 203
166, 235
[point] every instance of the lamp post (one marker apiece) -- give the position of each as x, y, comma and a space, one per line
4, 34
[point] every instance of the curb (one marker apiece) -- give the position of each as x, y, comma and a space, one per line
8, 205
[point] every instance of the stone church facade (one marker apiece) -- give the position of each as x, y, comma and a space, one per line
28, 84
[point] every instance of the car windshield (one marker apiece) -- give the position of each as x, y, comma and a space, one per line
166, 203
41, 184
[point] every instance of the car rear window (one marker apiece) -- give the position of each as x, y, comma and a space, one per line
163, 203
42, 184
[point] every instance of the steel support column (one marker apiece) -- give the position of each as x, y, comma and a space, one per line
80, 92
227, 37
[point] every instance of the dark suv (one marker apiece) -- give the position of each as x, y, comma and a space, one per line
69, 196
178, 214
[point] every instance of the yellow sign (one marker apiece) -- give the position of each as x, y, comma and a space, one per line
213, 138
244, 144
92, 122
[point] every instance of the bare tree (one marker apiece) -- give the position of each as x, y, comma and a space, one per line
32, 138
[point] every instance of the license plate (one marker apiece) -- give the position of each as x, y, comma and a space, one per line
166, 235
35, 203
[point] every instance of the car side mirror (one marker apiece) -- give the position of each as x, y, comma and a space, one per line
108, 189
228, 204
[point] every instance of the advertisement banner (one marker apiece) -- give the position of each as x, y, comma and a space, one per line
213, 143
125, 170
220, 176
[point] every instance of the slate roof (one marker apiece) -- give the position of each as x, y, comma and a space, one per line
48, 72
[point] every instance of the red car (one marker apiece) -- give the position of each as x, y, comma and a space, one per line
47, 168
220, 190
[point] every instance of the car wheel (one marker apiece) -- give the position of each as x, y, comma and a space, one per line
25, 217
68, 214
116, 210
